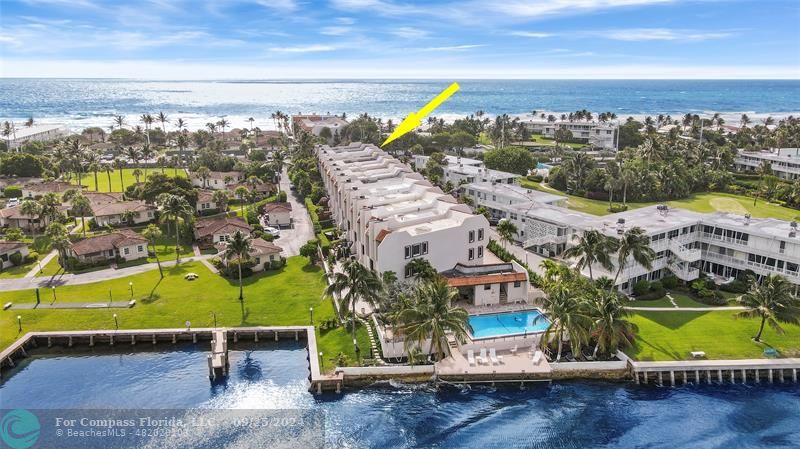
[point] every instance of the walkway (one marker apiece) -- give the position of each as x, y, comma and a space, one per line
73, 305
87, 278
685, 309
204, 261
42, 263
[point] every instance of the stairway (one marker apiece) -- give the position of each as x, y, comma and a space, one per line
373, 342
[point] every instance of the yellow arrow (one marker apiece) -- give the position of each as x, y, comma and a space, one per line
414, 119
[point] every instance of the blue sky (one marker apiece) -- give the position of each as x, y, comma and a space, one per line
193, 39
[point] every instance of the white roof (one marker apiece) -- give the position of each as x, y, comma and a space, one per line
519, 193
27, 131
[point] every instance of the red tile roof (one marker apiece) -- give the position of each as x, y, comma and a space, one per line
467, 281
220, 225
107, 242
382, 235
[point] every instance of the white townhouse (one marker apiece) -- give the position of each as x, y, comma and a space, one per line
462, 170
39, 133
784, 162
217, 179
392, 215
498, 198
598, 134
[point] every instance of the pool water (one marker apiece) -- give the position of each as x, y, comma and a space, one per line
510, 323
541, 166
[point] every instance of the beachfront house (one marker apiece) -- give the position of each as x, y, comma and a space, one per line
124, 213
278, 214
37, 189
213, 230
124, 244
7, 249
217, 179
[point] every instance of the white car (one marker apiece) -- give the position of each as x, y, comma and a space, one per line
12, 202
275, 232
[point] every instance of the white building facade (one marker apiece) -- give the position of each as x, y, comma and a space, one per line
784, 162
598, 134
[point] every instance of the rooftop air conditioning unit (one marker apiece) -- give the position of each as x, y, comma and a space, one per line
747, 219
792, 233
793, 225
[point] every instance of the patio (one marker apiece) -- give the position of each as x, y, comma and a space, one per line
518, 363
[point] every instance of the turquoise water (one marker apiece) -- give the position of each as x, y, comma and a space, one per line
541, 166
93, 102
394, 415
511, 323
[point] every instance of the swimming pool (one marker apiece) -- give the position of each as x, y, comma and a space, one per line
541, 166
509, 323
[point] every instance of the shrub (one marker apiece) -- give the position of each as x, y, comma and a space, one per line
656, 285
618, 208
711, 297
641, 287
16, 258
12, 192
652, 295
277, 264
282, 196
670, 282
737, 286
14, 235
32, 256
535, 178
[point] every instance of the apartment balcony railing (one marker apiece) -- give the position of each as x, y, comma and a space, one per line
708, 237
543, 239
684, 272
759, 268
684, 253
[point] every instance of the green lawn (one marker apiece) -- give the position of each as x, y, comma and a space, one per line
700, 202
18, 271
681, 299
271, 298
541, 140
672, 335
127, 177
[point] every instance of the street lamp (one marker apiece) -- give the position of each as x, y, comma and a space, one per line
54, 293
19, 323
130, 284
116, 321
311, 314
214, 314
321, 362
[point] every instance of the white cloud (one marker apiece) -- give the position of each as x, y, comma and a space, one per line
454, 47
660, 34
532, 34
335, 30
526, 8
378, 6
279, 5
303, 49
409, 33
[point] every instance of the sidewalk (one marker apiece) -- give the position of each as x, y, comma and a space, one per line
42, 263
87, 278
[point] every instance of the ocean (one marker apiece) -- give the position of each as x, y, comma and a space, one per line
79, 103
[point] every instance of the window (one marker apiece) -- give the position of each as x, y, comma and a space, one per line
480, 251
471, 254
409, 271
471, 236
487, 287
480, 234
416, 249
140, 248
408, 252
127, 251
517, 284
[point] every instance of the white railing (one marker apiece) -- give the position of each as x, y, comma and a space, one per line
755, 266
722, 238
540, 240
685, 273
684, 253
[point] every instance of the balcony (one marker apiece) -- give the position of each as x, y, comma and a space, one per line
684, 253
712, 238
759, 268
684, 271
543, 239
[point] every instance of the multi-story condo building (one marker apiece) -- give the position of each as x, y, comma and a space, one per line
42, 133
784, 162
496, 197
392, 215
314, 124
598, 134
462, 170
685, 242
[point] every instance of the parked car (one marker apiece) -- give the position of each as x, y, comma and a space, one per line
275, 232
12, 202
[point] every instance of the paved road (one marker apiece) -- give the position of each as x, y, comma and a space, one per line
87, 278
303, 230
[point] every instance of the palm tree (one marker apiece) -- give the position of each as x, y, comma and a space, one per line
609, 325
611, 184
152, 233
241, 192
773, 301
355, 282
183, 142
147, 119
203, 173
181, 124
566, 312
634, 243
765, 169
593, 247
136, 174
429, 315
422, 269
119, 121
30, 208
119, 165
163, 119
175, 208
628, 177
222, 123
81, 207
507, 231
146, 153
49, 207
238, 248
59, 241
220, 198
108, 168
251, 120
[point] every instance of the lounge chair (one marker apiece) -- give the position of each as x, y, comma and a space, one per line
482, 359
471, 357
493, 356
537, 357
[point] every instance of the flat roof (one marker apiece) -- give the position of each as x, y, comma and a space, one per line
27, 131
521, 193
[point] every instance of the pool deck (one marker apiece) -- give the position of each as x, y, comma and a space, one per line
512, 367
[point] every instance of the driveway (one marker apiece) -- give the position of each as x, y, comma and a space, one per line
302, 229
